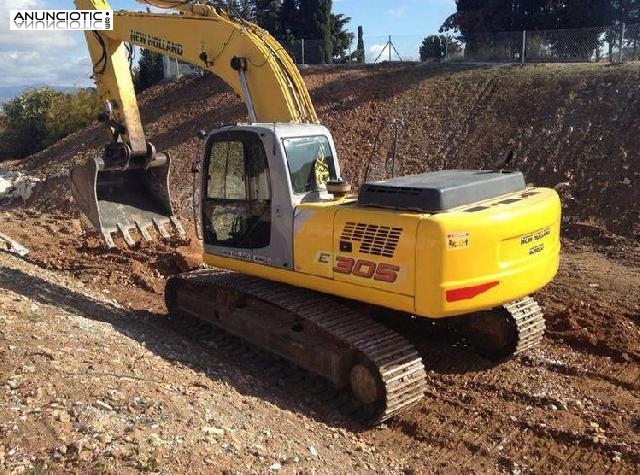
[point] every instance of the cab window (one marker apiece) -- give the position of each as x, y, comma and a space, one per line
310, 162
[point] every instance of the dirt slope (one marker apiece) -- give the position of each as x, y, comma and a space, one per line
572, 126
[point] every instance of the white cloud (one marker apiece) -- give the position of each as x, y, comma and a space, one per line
373, 51
397, 12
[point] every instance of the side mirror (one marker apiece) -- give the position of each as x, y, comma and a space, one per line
202, 134
195, 166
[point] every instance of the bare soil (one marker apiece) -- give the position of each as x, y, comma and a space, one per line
94, 378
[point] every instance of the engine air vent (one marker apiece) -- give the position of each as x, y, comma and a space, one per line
373, 239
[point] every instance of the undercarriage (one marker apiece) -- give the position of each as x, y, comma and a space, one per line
380, 367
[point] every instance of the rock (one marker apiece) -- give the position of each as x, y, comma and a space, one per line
61, 416
213, 431
626, 181
275, 466
313, 451
156, 440
13, 383
103, 405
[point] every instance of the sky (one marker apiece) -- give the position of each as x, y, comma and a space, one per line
60, 58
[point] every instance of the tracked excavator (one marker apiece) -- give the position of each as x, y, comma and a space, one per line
296, 260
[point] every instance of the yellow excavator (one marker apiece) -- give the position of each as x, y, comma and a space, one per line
307, 261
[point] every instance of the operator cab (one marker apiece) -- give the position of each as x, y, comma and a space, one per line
254, 177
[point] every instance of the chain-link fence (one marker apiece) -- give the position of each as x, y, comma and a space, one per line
615, 43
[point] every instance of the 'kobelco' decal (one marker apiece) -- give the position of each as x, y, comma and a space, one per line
366, 269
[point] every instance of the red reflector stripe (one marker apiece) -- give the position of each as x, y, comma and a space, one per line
466, 293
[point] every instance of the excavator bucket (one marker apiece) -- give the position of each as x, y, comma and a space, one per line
121, 200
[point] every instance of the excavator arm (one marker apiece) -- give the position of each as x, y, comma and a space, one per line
126, 188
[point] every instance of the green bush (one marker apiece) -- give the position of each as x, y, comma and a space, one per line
40, 117
71, 112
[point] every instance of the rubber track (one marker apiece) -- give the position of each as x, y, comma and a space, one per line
398, 363
529, 321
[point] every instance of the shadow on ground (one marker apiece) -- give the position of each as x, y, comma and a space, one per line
301, 392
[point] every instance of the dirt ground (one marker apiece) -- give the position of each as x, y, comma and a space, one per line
94, 378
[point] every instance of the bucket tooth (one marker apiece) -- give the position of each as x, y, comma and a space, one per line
125, 234
160, 226
106, 235
143, 231
178, 226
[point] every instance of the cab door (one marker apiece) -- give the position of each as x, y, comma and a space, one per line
236, 197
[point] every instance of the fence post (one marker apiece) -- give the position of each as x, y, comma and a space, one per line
389, 46
621, 43
302, 46
524, 46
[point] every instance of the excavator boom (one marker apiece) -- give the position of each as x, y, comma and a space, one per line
127, 187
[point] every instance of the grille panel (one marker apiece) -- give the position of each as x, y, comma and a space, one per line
375, 240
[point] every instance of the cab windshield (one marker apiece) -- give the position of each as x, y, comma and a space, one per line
310, 163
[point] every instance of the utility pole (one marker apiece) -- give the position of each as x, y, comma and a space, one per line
390, 47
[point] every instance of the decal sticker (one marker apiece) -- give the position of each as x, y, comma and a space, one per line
163, 44
535, 236
237, 254
458, 240
324, 257
367, 269
262, 259
467, 293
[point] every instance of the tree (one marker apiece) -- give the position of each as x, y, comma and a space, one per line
150, 70
475, 18
340, 38
316, 24
241, 8
267, 12
433, 47
358, 55
290, 21
26, 122
484, 16
70, 112
624, 12
40, 117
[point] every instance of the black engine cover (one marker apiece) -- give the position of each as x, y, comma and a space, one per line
439, 191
